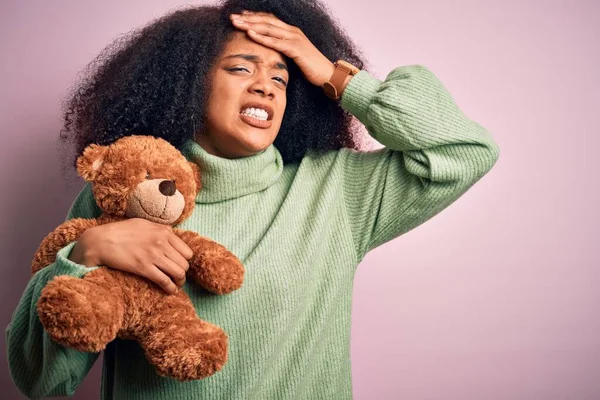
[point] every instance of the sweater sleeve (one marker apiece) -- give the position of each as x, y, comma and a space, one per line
40, 367
433, 154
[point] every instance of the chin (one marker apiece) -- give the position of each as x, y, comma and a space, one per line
243, 150
254, 150
254, 147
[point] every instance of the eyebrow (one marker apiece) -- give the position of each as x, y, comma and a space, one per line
255, 59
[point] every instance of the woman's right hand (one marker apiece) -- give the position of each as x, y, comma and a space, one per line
137, 246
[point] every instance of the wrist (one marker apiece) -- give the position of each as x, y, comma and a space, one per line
343, 87
341, 76
84, 254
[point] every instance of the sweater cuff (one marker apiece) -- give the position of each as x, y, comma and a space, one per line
358, 94
64, 266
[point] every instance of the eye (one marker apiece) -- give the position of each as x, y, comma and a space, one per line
283, 81
279, 79
147, 175
238, 69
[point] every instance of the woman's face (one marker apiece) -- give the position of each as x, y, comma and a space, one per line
247, 75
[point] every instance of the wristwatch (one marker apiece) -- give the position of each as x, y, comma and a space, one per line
333, 86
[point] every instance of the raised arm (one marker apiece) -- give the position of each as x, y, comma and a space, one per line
433, 154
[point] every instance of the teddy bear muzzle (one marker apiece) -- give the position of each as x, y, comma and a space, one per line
157, 200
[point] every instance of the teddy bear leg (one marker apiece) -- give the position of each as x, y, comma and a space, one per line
79, 313
181, 345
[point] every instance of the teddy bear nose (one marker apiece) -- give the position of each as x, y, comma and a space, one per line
167, 188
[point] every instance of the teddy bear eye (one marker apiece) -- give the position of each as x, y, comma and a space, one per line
147, 175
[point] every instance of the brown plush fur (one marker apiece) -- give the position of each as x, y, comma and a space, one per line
139, 176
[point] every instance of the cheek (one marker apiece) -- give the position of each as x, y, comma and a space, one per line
221, 90
220, 114
225, 102
281, 112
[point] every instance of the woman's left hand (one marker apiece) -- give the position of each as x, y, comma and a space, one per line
270, 31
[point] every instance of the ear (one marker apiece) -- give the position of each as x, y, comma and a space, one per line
89, 163
197, 176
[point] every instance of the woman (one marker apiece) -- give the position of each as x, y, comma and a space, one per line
283, 188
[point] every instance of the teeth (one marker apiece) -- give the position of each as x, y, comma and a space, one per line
256, 113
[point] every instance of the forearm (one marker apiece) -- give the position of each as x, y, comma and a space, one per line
39, 366
411, 111
433, 154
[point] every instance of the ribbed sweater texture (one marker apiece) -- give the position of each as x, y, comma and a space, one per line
300, 230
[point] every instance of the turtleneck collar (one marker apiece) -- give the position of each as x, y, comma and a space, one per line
224, 179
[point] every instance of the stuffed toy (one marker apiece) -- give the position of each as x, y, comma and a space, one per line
143, 177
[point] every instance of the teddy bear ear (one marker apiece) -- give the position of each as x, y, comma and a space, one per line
89, 163
197, 177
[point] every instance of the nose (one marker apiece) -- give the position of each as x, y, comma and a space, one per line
167, 188
263, 85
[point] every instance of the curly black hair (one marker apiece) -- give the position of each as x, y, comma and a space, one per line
155, 81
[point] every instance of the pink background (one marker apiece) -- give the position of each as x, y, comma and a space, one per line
496, 297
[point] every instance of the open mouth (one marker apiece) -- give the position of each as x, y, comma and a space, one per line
257, 115
258, 110
256, 122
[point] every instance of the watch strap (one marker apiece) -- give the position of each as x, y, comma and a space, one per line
333, 87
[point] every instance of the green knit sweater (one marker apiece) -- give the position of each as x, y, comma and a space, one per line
300, 230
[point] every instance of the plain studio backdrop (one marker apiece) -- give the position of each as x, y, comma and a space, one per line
494, 298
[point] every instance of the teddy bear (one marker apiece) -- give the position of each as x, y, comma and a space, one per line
144, 177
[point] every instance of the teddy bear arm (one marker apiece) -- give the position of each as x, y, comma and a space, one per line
64, 234
213, 266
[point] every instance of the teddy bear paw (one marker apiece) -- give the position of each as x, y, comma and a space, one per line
79, 314
220, 274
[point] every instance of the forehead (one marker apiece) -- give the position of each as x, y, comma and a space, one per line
240, 43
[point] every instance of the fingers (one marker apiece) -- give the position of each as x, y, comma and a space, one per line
171, 269
268, 26
172, 258
264, 28
272, 42
270, 31
154, 274
177, 259
181, 247
263, 17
